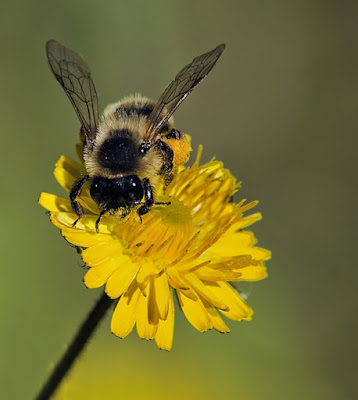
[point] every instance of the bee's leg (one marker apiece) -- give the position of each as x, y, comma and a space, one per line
167, 154
99, 219
75, 191
149, 200
168, 157
148, 196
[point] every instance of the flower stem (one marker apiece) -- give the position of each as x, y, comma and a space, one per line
84, 333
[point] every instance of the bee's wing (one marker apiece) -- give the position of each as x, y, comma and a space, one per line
71, 70
184, 82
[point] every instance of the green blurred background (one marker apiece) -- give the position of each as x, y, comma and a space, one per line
279, 110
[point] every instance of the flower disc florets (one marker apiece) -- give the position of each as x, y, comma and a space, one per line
194, 246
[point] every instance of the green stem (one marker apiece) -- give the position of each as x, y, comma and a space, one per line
84, 333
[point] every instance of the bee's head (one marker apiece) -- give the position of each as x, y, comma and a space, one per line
112, 194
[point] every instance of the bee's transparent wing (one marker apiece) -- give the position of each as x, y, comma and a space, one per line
184, 82
73, 73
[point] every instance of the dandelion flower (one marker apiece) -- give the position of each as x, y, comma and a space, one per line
194, 247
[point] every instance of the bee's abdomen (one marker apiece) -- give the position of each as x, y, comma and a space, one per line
118, 153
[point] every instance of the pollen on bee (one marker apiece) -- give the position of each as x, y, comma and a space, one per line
181, 149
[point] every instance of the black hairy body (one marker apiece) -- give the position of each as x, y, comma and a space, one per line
118, 153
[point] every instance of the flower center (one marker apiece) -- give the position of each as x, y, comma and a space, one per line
176, 214
162, 235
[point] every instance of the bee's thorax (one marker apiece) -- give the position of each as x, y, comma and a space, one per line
118, 153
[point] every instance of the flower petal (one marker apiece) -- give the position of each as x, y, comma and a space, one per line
147, 269
177, 283
195, 313
125, 313
54, 203
253, 272
89, 204
85, 239
97, 254
57, 219
146, 329
85, 223
122, 277
237, 243
67, 172
217, 321
105, 259
165, 331
215, 274
204, 291
162, 295
98, 276
239, 310
245, 221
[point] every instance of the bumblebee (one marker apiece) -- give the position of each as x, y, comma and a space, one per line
134, 143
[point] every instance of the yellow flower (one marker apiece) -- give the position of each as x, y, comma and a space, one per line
195, 246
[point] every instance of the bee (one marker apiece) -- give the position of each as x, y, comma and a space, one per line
134, 142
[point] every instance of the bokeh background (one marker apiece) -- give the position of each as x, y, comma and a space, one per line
280, 109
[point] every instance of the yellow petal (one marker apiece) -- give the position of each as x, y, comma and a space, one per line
204, 291
195, 313
54, 203
147, 269
253, 272
67, 172
145, 329
59, 204
153, 314
85, 239
162, 295
237, 243
239, 310
165, 331
217, 321
215, 274
89, 203
245, 221
97, 254
86, 223
122, 277
99, 275
56, 219
176, 282
125, 313
68, 219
